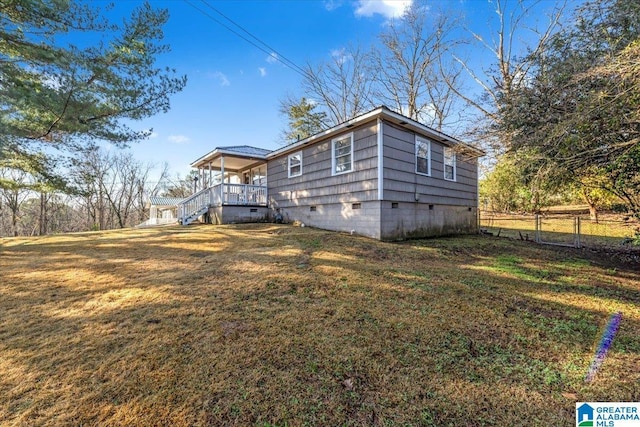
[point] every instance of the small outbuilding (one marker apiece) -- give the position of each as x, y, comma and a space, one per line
162, 210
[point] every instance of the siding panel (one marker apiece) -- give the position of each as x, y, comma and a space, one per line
316, 186
401, 183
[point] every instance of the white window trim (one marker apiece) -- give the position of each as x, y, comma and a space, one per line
428, 142
333, 154
444, 163
291, 156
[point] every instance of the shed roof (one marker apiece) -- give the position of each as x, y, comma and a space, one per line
164, 201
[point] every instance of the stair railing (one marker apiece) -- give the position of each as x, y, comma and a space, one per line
194, 203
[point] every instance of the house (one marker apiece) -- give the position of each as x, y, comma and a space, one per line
381, 175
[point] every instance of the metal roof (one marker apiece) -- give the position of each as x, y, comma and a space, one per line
238, 151
246, 150
164, 201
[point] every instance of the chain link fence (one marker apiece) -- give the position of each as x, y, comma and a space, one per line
564, 230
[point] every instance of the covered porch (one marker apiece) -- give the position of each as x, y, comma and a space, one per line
241, 164
227, 176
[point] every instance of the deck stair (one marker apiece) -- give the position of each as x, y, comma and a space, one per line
226, 194
194, 206
188, 219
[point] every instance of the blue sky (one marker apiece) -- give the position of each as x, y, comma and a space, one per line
233, 90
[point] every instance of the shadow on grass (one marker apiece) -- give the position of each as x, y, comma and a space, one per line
263, 324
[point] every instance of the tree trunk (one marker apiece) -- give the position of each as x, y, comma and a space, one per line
593, 209
593, 213
43, 215
14, 223
100, 210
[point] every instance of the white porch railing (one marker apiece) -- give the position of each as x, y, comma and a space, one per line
222, 194
244, 194
194, 206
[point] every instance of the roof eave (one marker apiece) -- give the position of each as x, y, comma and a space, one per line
380, 112
209, 154
217, 152
327, 133
386, 113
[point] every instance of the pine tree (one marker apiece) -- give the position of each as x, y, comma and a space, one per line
57, 99
303, 121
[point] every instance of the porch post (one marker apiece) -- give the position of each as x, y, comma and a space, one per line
221, 179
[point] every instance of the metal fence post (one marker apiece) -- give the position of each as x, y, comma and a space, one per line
538, 226
576, 231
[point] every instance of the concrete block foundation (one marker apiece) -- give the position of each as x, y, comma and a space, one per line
231, 214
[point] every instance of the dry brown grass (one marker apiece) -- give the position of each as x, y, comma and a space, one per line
274, 325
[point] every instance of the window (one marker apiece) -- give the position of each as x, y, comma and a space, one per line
342, 154
423, 156
295, 164
259, 176
449, 164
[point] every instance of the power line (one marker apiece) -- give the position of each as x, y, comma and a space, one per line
280, 57
262, 46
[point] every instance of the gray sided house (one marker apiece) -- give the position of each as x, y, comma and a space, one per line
380, 175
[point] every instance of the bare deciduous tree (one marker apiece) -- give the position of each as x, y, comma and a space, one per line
409, 76
124, 187
113, 188
342, 84
513, 60
14, 191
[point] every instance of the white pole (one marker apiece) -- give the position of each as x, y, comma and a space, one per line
221, 179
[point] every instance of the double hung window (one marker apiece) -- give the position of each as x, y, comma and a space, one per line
423, 156
342, 154
295, 164
449, 164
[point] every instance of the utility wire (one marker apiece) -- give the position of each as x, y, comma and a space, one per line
280, 57
262, 46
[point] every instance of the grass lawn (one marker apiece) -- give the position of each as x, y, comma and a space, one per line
265, 325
